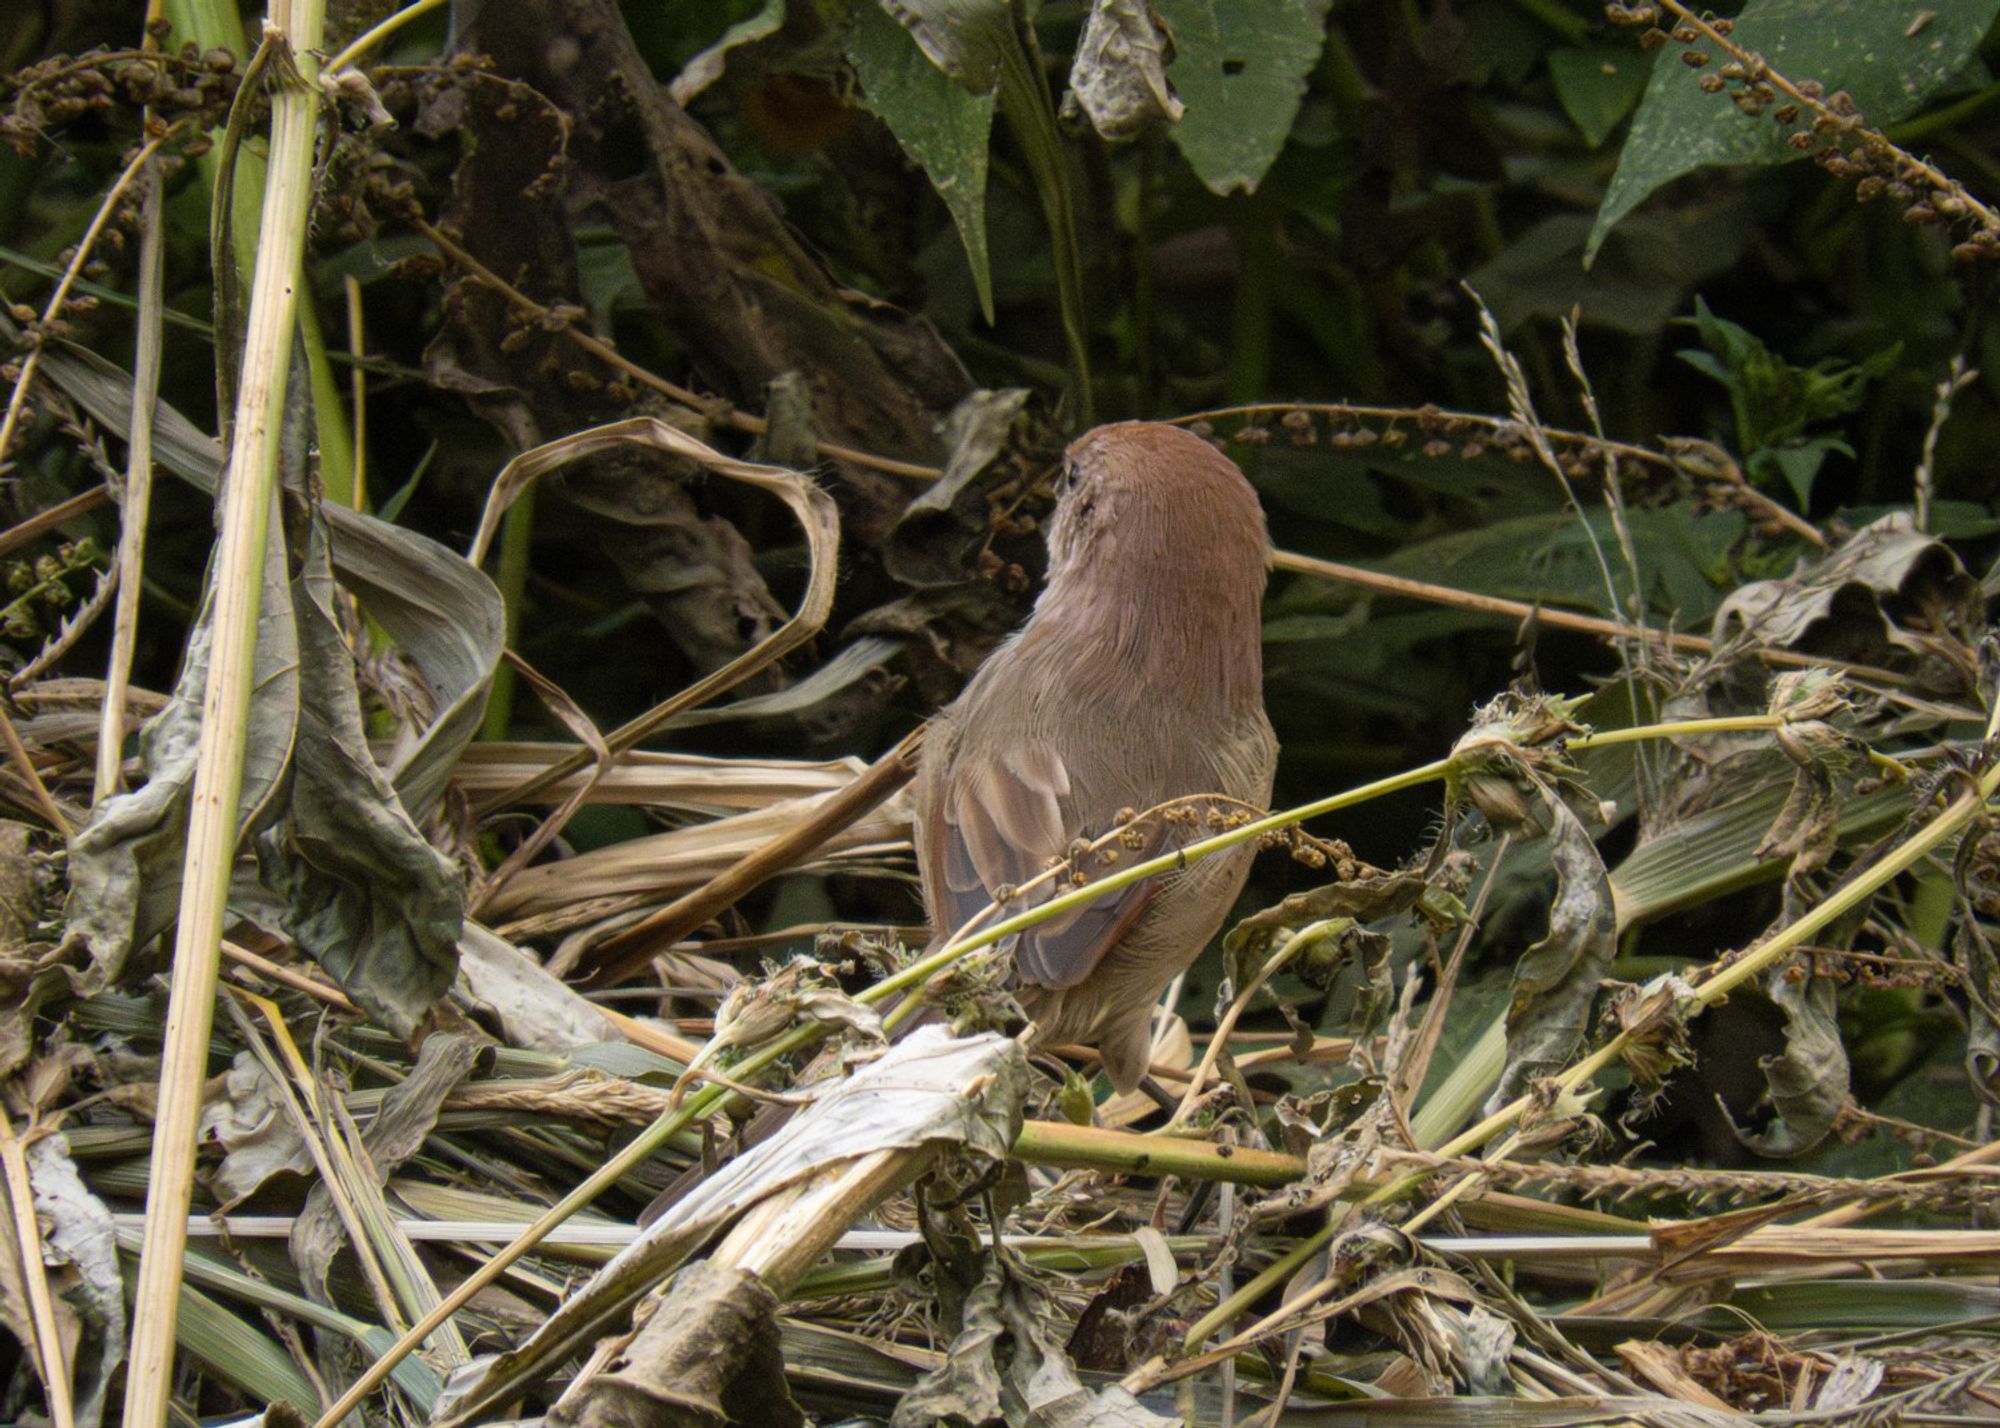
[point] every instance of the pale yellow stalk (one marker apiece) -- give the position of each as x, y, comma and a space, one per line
246, 496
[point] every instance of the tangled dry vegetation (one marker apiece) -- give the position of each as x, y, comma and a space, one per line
447, 1114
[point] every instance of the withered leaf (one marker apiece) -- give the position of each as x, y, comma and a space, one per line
1556, 979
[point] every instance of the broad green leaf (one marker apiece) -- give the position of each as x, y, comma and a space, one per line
1774, 401
941, 124
1861, 46
1240, 67
1799, 465
1598, 86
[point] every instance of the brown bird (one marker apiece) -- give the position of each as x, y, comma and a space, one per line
1138, 678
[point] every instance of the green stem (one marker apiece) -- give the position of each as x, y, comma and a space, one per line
214, 24
1024, 101
516, 541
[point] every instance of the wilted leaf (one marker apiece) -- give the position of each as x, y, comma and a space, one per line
946, 525
533, 1009
1364, 893
1654, 1019
1118, 78
942, 125
1240, 67
706, 67
445, 615
1006, 1364
1862, 46
1977, 874
259, 1139
368, 898
408, 1115
1807, 1082
1848, 605
125, 864
755, 1012
80, 1249
706, 1356
1556, 980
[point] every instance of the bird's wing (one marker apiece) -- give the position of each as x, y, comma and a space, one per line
1002, 819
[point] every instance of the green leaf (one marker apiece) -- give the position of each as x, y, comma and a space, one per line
1776, 402
1240, 67
941, 125
1599, 86
1857, 45
1800, 464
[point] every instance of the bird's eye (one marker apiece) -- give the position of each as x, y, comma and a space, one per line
1065, 478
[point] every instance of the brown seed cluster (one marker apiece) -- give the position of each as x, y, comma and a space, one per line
63, 90
1837, 134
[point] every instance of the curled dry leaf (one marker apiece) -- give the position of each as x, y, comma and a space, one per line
373, 901
1119, 77
245, 1115
755, 1012
1007, 1364
1556, 980
1655, 1016
950, 522
366, 894
707, 1355
1510, 764
1889, 596
80, 1254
